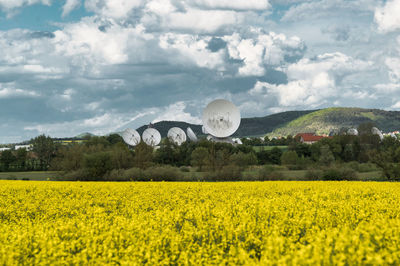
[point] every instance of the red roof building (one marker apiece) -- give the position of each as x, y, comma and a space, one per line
309, 138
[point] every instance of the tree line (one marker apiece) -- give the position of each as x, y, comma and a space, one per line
107, 158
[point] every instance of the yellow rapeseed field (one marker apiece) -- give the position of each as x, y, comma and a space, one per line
265, 223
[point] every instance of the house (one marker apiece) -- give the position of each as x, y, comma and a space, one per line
309, 138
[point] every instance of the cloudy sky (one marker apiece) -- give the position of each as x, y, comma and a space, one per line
99, 66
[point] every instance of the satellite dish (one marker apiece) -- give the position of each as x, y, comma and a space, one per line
393, 135
376, 131
192, 136
352, 131
237, 141
131, 137
151, 137
221, 118
209, 138
203, 129
176, 135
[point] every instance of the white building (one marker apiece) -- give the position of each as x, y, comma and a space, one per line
27, 147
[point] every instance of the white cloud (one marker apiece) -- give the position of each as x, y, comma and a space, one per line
387, 17
200, 21
69, 6
192, 49
176, 112
117, 9
10, 5
11, 92
313, 82
262, 50
327, 8
99, 125
232, 4
394, 68
87, 44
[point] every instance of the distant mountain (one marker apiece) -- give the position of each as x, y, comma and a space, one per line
164, 126
259, 126
321, 121
333, 119
84, 135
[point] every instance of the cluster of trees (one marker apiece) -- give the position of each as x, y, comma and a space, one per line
97, 157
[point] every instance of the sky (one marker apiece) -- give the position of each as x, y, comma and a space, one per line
100, 66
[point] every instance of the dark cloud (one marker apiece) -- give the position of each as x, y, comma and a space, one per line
216, 44
41, 34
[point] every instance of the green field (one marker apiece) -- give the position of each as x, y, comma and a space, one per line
268, 148
38, 175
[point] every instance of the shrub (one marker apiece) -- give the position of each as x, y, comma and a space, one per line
97, 165
269, 172
229, 172
313, 174
185, 169
339, 174
163, 173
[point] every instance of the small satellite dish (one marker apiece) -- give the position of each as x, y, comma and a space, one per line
209, 137
237, 141
192, 136
376, 131
151, 136
393, 135
352, 131
131, 137
221, 118
176, 135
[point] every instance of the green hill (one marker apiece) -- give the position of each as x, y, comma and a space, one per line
321, 121
332, 119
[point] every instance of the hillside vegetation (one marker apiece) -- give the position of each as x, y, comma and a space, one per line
321, 121
333, 119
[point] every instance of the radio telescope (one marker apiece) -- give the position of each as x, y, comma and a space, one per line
151, 137
176, 135
376, 131
352, 131
192, 136
131, 137
221, 118
237, 141
203, 129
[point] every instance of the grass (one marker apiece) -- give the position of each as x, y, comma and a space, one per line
268, 148
38, 175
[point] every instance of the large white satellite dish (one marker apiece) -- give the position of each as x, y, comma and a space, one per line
203, 129
151, 137
176, 135
131, 137
376, 131
192, 136
221, 118
352, 131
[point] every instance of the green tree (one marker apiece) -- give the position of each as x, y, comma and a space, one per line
45, 149
7, 158
243, 160
121, 157
96, 165
21, 156
143, 156
275, 155
199, 157
326, 157
289, 158
114, 139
